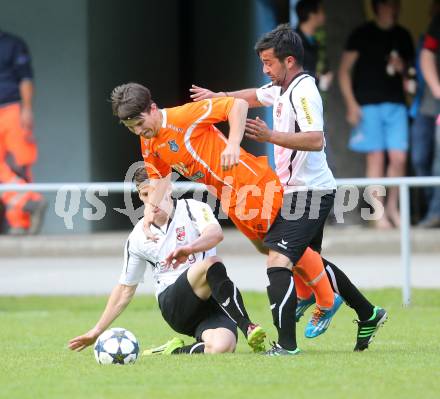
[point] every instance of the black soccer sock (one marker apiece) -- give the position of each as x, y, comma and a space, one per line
282, 296
195, 348
227, 295
352, 296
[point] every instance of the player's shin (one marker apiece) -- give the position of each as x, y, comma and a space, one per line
352, 296
303, 291
227, 295
282, 296
311, 269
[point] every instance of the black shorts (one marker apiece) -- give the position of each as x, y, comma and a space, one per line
300, 223
187, 314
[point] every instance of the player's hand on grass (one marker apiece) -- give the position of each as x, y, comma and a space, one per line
200, 93
230, 156
83, 341
256, 129
178, 256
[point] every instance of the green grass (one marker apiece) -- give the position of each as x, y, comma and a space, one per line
403, 362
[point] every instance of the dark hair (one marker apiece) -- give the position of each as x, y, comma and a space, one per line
375, 4
129, 100
284, 41
306, 7
140, 176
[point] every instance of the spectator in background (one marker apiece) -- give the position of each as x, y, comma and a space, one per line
311, 17
18, 151
378, 53
429, 60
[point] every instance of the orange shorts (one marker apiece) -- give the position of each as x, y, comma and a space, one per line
257, 207
14, 140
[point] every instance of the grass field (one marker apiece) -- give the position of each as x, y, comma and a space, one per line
403, 362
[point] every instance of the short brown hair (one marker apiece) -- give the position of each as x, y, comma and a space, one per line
140, 177
284, 41
130, 100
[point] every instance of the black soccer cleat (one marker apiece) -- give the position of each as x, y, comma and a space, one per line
367, 329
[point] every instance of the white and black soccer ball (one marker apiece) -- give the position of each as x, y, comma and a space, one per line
116, 346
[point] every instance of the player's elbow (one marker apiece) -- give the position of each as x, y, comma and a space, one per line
216, 233
317, 143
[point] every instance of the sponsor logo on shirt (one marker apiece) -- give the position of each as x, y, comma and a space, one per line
305, 106
173, 145
175, 128
206, 215
180, 233
279, 109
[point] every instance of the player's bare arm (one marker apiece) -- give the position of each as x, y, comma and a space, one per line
210, 237
249, 95
257, 129
237, 121
117, 302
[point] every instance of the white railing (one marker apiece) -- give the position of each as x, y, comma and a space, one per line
404, 183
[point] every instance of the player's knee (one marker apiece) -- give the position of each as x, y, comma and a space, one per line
212, 260
220, 347
220, 341
276, 259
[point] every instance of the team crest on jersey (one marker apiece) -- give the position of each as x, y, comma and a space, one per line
180, 233
173, 145
279, 109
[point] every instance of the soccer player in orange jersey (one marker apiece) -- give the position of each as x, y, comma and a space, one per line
185, 139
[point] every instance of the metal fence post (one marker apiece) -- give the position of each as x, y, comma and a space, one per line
405, 243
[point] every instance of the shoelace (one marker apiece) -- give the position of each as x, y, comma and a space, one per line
316, 315
273, 349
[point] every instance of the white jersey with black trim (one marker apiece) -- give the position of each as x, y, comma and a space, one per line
189, 220
298, 109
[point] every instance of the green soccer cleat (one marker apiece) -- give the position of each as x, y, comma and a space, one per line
165, 349
255, 338
367, 329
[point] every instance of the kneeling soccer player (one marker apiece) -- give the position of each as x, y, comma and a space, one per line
195, 295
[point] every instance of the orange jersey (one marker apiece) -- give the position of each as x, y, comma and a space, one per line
189, 143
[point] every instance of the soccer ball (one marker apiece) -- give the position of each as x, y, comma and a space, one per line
116, 346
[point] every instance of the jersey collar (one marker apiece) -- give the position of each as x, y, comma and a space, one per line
293, 79
164, 118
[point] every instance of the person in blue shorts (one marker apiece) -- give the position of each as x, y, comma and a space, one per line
373, 66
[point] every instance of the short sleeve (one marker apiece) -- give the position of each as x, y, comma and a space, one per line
202, 214
134, 266
156, 167
307, 104
354, 42
22, 61
406, 47
432, 38
267, 94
